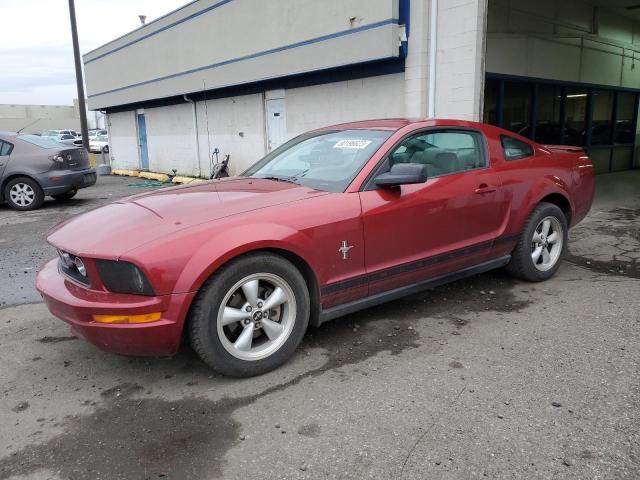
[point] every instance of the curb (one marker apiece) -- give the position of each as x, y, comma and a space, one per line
161, 177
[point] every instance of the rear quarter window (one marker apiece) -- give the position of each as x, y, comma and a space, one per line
515, 149
5, 148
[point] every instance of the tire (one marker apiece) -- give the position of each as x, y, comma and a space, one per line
529, 261
239, 343
66, 195
23, 193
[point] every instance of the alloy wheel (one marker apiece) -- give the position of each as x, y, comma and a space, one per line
22, 194
256, 316
546, 244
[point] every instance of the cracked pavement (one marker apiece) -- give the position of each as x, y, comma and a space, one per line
487, 377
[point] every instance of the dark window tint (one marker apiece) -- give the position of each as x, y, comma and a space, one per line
5, 148
443, 152
491, 90
626, 105
515, 149
517, 106
575, 114
548, 118
601, 124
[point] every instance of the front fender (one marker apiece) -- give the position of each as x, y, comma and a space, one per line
232, 242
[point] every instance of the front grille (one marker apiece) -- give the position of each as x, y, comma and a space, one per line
68, 268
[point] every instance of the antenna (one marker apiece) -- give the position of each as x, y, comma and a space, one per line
29, 124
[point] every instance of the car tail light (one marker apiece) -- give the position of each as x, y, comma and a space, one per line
57, 159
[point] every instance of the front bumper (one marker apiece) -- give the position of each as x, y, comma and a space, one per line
76, 304
56, 182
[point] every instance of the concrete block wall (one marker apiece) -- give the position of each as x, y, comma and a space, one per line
459, 62
353, 100
170, 139
236, 125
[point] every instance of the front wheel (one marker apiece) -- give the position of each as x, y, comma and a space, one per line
250, 316
541, 245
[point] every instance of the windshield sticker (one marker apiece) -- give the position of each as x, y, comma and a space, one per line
353, 143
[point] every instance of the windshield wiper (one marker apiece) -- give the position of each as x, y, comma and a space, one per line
280, 179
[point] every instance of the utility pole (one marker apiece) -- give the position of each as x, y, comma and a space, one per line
76, 55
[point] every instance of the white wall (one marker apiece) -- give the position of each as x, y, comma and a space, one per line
123, 140
170, 139
235, 127
460, 59
551, 40
363, 99
238, 42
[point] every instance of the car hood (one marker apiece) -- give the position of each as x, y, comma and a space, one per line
112, 230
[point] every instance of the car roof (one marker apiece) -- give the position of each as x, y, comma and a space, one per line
394, 124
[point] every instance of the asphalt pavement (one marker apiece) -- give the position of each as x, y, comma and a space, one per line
487, 377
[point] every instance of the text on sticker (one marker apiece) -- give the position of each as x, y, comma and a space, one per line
352, 143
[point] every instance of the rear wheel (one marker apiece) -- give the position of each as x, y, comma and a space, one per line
250, 316
66, 195
23, 193
541, 245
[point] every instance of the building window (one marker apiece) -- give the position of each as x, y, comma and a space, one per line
491, 92
601, 123
625, 107
575, 115
548, 122
516, 108
603, 120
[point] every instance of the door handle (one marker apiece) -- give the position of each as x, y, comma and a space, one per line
484, 188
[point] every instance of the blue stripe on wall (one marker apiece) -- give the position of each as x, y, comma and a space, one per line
167, 27
391, 21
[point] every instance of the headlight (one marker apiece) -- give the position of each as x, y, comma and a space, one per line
123, 277
73, 267
80, 266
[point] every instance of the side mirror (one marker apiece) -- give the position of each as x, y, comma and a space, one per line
402, 174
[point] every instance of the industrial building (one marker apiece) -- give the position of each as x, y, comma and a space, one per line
243, 76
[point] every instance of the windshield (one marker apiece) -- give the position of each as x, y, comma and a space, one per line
42, 142
326, 161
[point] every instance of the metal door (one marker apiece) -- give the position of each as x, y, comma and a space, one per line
276, 123
142, 142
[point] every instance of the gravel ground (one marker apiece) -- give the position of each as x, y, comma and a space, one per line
483, 378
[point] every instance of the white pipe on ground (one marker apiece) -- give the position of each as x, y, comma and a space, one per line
195, 127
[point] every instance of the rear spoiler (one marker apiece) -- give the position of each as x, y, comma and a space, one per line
563, 148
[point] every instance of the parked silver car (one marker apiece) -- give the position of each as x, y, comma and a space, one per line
32, 167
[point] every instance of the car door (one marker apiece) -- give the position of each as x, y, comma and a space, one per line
421, 231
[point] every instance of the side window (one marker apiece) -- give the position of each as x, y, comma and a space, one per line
515, 149
5, 148
443, 152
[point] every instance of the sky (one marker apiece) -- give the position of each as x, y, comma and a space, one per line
36, 52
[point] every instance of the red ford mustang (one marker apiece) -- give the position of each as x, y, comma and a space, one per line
336, 220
